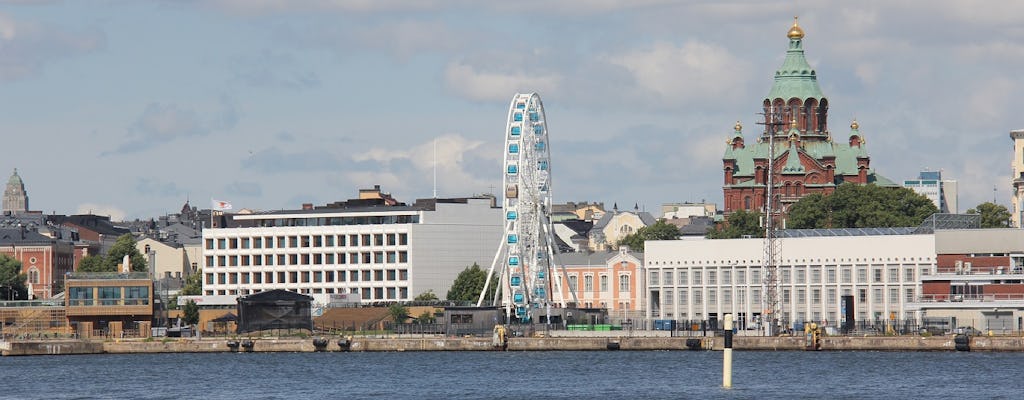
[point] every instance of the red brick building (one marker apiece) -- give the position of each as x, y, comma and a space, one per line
44, 261
806, 159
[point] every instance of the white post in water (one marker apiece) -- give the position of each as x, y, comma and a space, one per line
727, 354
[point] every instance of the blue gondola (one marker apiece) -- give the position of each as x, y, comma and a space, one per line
512, 238
511, 215
518, 117
516, 130
513, 148
512, 169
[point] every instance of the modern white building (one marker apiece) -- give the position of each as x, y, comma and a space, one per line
1017, 179
942, 192
702, 280
384, 253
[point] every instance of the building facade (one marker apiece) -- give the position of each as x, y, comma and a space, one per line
942, 192
610, 280
15, 196
384, 253
979, 281
1017, 179
45, 261
702, 280
806, 159
616, 225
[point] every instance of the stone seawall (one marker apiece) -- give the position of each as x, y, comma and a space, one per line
588, 343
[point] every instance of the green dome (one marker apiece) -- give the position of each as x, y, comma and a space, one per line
795, 78
15, 180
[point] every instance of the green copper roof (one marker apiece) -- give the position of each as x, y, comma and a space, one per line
795, 78
15, 180
793, 165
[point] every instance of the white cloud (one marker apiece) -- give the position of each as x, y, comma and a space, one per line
28, 46
694, 72
467, 81
115, 213
455, 172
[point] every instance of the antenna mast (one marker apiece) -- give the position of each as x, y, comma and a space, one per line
771, 316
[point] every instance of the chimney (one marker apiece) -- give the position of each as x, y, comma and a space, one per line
307, 206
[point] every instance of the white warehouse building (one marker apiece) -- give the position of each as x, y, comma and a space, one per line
702, 280
383, 253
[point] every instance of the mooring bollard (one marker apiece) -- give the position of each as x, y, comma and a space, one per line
727, 354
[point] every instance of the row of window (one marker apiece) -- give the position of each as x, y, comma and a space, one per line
787, 275
588, 282
304, 241
108, 296
388, 293
712, 296
334, 221
284, 277
367, 257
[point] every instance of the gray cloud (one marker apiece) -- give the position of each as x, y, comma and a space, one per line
157, 188
27, 47
272, 69
246, 189
161, 123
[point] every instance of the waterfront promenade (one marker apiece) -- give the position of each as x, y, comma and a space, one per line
572, 343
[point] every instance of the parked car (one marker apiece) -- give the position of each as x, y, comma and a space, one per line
968, 330
933, 330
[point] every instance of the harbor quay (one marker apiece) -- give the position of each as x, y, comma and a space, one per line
401, 343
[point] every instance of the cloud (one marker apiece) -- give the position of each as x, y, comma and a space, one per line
115, 213
154, 187
457, 159
691, 73
27, 47
161, 123
271, 69
245, 189
274, 160
470, 82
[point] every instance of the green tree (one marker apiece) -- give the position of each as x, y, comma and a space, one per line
426, 317
992, 215
860, 206
92, 263
470, 282
739, 224
12, 281
193, 287
125, 244
426, 296
398, 313
191, 313
660, 230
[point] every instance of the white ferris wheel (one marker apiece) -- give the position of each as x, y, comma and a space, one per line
525, 256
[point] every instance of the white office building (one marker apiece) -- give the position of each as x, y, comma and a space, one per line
702, 280
384, 253
942, 192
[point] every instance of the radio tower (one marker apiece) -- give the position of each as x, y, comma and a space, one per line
771, 315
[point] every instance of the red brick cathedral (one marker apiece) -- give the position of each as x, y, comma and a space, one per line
806, 159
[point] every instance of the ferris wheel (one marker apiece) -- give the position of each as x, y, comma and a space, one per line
526, 253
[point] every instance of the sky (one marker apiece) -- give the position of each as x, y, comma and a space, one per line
130, 108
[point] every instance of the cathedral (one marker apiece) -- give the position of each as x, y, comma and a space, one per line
15, 197
805, 158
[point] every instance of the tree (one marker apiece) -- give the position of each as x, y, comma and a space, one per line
739, 224
12, 281
426, 296
426, 317
470, 282
992, 215
191, 313
860, 206
92, 263
193, 287
398, 313
660, 230
125, 244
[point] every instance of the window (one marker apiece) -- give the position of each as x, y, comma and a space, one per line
378, 239
727, 297
403, 239
588, 283
862, 295
33, 276
110, 296
726, 278
815, 275
831, 296
755, 277
682, 278
755, 295
862, 275
831, 275
573, 280
894, 275
876, 296
623, 283
604, 283
741, 277
786, 274
712, 279
801, 276
653, 279
877, 274
80, 296
847, 276
909, 295
785, 296
894, 296
712, 296
908, 274
668, 300
697, 297
136, 295
209, 244
696, 277
668, 277
682, 296
801, 296
815, 296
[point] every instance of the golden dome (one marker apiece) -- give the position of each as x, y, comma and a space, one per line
854, 125
795, 32
738, 127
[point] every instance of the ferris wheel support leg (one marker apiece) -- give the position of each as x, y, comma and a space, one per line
490, 272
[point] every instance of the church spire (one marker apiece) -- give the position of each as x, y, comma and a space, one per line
795, 93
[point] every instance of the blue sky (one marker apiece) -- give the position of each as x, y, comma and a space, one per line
127, 108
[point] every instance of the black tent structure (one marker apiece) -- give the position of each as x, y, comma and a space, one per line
274, 309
